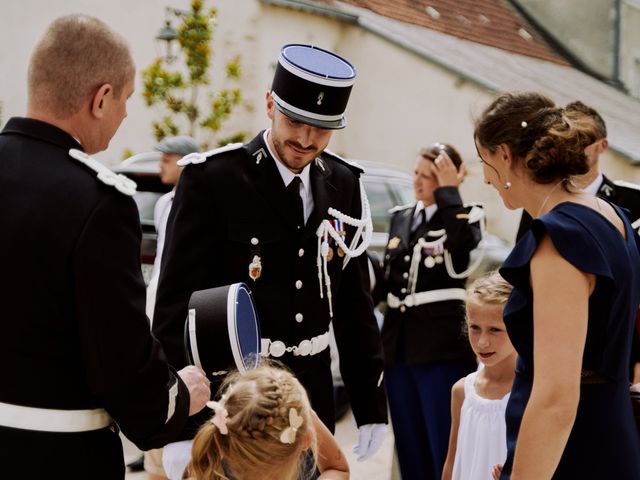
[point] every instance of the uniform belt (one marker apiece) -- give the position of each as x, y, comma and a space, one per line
50, 420
278, 348
430, 296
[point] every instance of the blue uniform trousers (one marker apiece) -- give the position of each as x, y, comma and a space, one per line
420, 405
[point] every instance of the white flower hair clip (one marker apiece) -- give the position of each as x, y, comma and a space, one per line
288, 435
220, 416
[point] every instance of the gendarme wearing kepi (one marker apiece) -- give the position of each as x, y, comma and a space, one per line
291, 221
312, 85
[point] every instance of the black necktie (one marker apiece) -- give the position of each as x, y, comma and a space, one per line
422, 222
293, 190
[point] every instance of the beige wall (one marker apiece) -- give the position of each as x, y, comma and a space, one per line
400, 102
630, 46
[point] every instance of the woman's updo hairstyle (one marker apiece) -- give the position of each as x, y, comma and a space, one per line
548, 141
432, 151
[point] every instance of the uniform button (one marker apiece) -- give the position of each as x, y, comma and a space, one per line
301, 252
254, 241
403, 290
299, 317
387, 256
407, 258
403, 309
405, 275
298, 284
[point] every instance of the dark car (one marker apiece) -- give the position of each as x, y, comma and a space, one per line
386, 187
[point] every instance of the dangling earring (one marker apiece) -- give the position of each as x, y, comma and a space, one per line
507, 185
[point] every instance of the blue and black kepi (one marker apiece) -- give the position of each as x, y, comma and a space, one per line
312, 85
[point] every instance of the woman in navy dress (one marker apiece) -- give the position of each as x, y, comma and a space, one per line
576, 278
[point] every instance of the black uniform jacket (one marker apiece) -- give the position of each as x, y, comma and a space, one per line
431, 332
625, 195
74, 331
234, 206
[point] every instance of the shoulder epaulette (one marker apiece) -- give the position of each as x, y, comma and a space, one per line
397, 208
105, 175
623, 184
475, 212
201, 157
353, 166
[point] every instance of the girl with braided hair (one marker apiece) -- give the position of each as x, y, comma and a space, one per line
576, 290
263, 427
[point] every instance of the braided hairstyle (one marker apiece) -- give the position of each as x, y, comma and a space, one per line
547, 141
258, 404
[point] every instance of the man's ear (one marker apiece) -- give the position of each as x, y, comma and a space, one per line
98, 102
604, 144
270, 105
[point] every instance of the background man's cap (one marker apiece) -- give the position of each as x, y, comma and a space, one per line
181, 145
312, 85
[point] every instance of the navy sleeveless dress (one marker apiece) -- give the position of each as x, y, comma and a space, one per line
604, 442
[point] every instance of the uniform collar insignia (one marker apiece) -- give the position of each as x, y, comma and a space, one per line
259, 155
606, 190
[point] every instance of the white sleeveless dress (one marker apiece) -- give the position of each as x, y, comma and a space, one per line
482, 435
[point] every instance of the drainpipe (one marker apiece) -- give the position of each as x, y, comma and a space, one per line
617, 25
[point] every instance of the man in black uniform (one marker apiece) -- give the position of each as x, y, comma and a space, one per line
280, 214
621, 193
77, 359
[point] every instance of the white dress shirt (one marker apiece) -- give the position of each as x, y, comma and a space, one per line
287, 177
417, 217
160, 216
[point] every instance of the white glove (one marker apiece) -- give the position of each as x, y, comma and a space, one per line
370, 438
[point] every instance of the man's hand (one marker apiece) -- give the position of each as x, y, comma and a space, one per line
370, 438
199, 387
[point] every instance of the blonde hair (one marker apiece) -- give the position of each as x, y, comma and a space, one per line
490, 289
76, 55
258, 404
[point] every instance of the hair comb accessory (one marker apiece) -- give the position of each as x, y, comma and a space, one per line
288, 435
219, 418
524, 124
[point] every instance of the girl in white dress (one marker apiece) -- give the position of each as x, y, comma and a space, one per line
477, 443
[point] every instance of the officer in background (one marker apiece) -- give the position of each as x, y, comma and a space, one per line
172, 150
425, 266
621, 193
288, 218
77, 359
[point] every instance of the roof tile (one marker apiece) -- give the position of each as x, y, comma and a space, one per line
489, 22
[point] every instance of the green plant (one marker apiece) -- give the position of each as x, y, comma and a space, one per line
177, 91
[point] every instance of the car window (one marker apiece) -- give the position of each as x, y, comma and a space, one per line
380, 201
403, 192
146, 202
